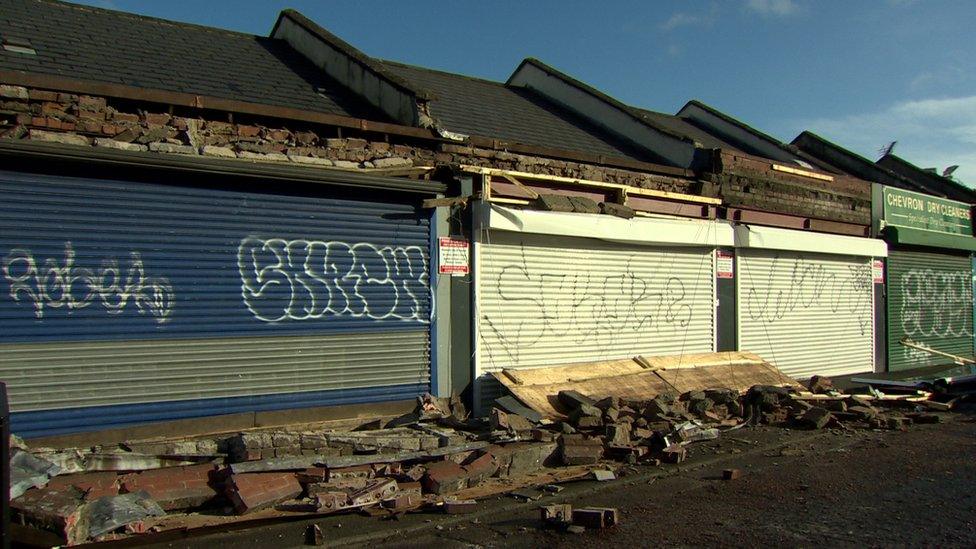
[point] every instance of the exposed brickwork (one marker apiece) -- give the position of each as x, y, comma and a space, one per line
174, 487
93, 485
58, 510
91, 118
254, 491
791, 199
742, 181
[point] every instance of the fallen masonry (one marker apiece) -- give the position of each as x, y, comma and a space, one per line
436, 459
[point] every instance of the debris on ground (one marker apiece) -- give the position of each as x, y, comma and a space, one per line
439, 458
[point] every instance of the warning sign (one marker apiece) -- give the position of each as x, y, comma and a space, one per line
724, 264
453, 255
877, 269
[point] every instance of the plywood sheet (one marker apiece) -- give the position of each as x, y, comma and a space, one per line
543, 397
724, 358
726, 376
641, 378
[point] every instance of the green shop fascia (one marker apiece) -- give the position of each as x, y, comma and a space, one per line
929, 275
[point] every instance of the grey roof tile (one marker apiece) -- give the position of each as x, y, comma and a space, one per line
486, 108
87, 43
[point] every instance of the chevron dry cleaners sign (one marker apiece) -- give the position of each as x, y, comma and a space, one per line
919, 211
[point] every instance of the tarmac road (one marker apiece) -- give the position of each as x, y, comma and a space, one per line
865, 488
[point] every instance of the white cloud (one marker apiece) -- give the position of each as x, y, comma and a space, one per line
773, 7
680, 20
930, 133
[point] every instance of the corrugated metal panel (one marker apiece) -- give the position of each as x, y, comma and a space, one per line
548, 300
152, 270
930, 300
807, 313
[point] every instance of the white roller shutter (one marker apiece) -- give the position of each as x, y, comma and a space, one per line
546, 300
807, 313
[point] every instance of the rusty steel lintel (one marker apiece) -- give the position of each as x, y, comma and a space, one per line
767, 218
683, 209
796, 222
578, 156
122, 91
839, 227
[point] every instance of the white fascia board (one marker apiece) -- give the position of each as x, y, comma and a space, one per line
771, 238
724, 127
639, 230
400, 106
603, 114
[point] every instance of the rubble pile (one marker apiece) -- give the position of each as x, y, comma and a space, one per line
434, 458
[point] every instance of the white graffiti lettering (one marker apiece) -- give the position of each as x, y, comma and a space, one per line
936, 304
309, 279
53, 285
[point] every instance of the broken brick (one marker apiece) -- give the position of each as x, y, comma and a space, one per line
674, 454
596, 517
820, 385
556, 515
815, 418
174, 487
481, 468
93, 485
731, 474
254, 491
58, 510
460, 507
445, 477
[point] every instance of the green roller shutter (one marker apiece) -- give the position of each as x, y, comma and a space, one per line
930, 300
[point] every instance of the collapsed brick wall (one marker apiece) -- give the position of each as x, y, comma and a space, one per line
752, 183
791, 199
36, 114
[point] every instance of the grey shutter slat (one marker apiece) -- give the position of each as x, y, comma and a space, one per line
550, 300
806, 313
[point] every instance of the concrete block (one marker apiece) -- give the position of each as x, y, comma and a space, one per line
523, 458
618, 210
815, 418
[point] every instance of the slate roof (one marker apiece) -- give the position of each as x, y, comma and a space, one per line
85, 43
683, 127
486, 108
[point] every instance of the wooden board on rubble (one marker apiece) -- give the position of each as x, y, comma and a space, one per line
728, 376
542, 397
495, 486
723, 358
640, 378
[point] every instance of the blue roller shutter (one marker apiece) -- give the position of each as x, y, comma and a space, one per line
125, 302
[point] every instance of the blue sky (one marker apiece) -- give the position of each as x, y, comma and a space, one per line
861, 73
